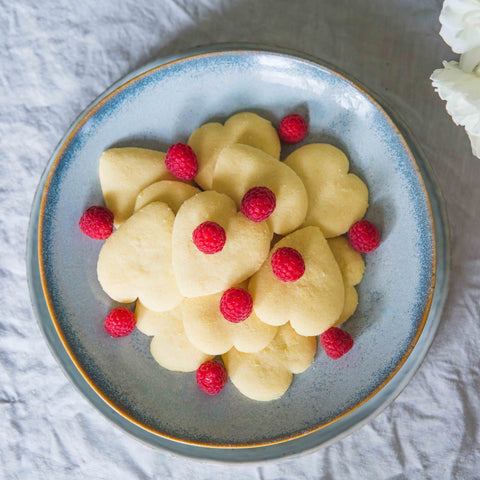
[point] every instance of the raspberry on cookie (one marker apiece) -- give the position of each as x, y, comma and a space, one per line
236, 305
287, 264
181, 161
209, 237
258, 204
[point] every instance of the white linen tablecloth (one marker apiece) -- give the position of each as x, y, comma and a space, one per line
57, 56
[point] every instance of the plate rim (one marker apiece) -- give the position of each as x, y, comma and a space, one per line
242, 49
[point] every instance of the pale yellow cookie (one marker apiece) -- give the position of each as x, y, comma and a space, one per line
136, 260
247, 128
241, 167
314, 302
167, 191
266, 375
350, 305
124, 173
349, 260
246, 247
336, 199
170, 346
207, 329
352, 267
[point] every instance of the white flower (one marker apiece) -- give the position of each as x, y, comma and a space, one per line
460, 21
461, 91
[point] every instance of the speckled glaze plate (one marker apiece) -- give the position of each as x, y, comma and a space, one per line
400, 298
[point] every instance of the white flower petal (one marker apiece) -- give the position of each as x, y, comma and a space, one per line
460, 21
461, 90
470, 61
475, 142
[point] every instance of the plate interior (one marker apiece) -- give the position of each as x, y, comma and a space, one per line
164, 106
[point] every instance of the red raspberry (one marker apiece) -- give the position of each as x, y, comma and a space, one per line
211, 377
336, 342
292, 129
209, 237
364, 236
287, 264
97, 223
120, 322
258, 204
181, 161
236, 305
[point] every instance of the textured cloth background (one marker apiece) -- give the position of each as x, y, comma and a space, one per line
57, 56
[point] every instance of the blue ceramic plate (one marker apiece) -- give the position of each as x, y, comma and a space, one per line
163, 103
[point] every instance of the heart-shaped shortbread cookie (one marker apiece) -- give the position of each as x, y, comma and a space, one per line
311, 304
136, 260
246, 247
124, 173
247, 128
266, 375
170, 346
207, 329
349, 260
352, 267
167, 191
336, 199
241, 167
350, 305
